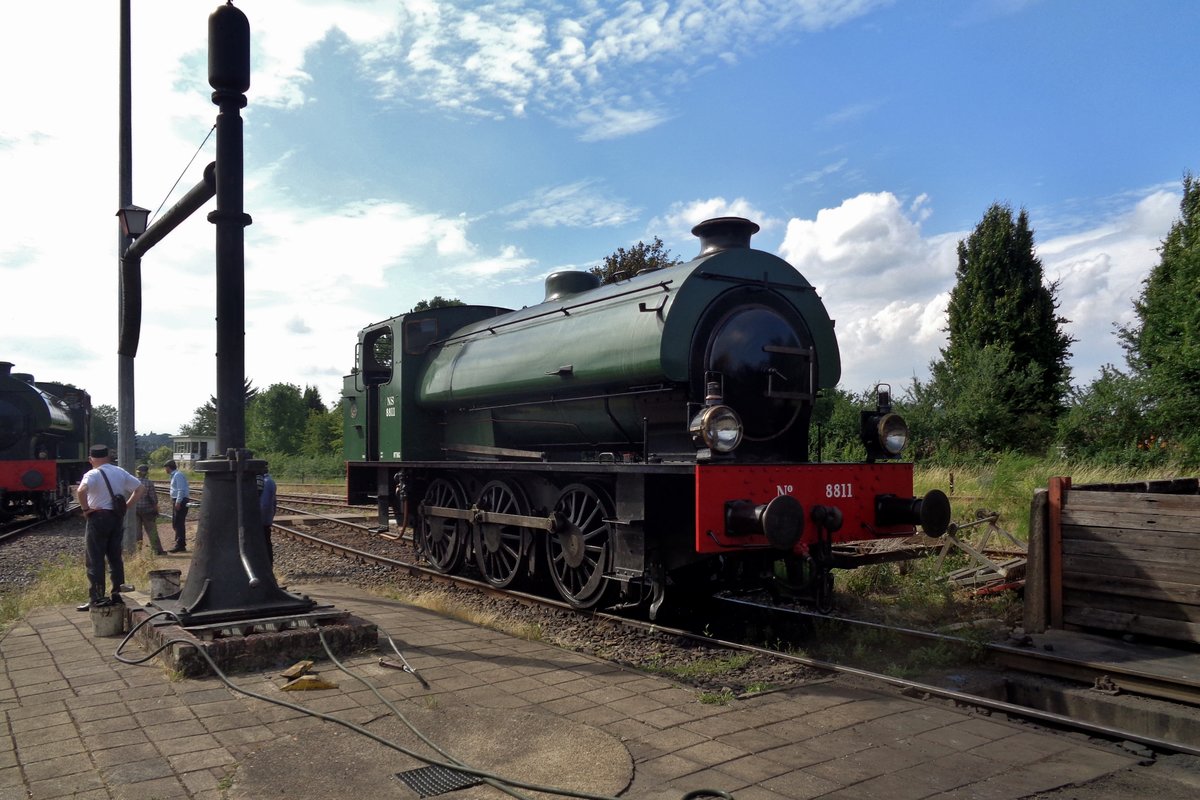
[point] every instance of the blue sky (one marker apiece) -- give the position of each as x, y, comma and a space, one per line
401, 149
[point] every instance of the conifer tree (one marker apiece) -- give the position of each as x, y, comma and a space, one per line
1001, 312
1163, 347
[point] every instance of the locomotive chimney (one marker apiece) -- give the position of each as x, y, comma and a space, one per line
5, 368
724, 233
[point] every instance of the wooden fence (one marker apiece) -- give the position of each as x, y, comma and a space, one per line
1116, 558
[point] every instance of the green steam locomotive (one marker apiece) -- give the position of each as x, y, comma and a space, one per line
625, 440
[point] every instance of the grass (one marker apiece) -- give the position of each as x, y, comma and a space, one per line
758, 687
701, 668
916, 594
447, 606
887, 652
723, 697
64, 582
1008, 482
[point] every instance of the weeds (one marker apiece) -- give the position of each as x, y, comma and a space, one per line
700, 668
758, 687
1007, 482
63, 581
447, 606
723, 697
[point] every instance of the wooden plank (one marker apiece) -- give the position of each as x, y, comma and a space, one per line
1145, 588
1037, 585
1161, 486
1058, 486
1171, 540
1173, 572
1131, 623
1133, 521
1166, 504
1143, 554
1131, 605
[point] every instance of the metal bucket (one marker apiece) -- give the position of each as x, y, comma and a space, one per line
108, 620
164, 583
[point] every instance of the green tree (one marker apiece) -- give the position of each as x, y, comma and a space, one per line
204, 418
159, 456
964, 408
104, 426
1162, 347
276, 419
322, 433
1002, 315
1105, 421
312, 399
438, 302
835, 429
624, 263
204, 421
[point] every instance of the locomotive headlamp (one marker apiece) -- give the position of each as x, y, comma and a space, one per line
893, 433
718, 428
883, 432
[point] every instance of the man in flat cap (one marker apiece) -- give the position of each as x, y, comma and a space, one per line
147, 512
104, 526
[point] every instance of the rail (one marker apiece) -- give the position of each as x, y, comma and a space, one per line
1188, 692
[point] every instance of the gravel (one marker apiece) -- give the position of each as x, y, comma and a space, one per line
21, 558
714, 671
709, 670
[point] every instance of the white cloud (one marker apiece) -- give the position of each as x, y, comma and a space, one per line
582, 204
601, 123
677, 223
1100, 273
317, 271
888, 285
816, 175
852, 113
885, 284
574, 63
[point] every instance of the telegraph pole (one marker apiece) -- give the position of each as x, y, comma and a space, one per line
126, 449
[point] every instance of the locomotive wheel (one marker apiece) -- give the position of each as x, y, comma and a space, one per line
443, 538
578, 553
500, 549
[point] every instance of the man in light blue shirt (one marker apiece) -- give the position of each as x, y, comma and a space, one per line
179, 505
266, 509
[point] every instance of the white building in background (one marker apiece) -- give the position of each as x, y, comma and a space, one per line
190, 449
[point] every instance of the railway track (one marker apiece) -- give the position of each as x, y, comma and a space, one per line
1023, 658
326, 500
16, 527
403, 560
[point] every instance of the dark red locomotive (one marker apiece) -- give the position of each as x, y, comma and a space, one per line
44, 437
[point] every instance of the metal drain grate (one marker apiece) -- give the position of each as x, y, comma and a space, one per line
434, 780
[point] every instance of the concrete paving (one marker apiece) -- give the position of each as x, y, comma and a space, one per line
75, 722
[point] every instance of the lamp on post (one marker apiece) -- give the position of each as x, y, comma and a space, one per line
133, 220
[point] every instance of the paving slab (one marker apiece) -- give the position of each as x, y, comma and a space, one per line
76, 722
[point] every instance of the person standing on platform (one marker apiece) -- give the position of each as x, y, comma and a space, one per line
266, 510
105, 525
147, 512
179, 505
